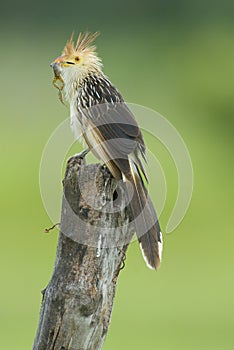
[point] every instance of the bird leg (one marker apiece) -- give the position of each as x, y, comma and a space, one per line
78, 156
82, 154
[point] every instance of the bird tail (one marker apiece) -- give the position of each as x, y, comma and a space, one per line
145, 218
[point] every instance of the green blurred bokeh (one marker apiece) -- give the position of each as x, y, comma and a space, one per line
176, 58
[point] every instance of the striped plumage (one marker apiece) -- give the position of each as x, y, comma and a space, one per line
99, 114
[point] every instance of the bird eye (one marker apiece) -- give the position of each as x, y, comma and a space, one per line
77, 59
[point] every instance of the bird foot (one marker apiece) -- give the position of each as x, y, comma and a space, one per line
79, 156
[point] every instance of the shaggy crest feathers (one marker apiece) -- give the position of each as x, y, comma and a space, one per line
82, 45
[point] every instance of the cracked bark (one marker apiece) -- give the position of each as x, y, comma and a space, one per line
94, 235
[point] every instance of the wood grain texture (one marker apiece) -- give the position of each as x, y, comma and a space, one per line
94, 235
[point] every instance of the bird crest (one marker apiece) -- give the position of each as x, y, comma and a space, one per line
82, 45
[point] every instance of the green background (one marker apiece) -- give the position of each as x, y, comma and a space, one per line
176, 58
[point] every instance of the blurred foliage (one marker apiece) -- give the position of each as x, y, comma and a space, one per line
174, 57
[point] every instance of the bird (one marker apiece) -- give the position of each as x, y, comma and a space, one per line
108, 127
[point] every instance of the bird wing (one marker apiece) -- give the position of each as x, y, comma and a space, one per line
114, 129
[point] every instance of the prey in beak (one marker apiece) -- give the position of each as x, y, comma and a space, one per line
57, 77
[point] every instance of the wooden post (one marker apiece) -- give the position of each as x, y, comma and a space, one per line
94, 235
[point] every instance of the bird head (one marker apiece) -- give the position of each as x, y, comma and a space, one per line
76, 62
78, 59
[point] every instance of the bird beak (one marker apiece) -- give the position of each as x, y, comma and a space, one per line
59, 60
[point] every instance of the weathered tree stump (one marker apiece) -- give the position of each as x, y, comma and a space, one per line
94, 235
